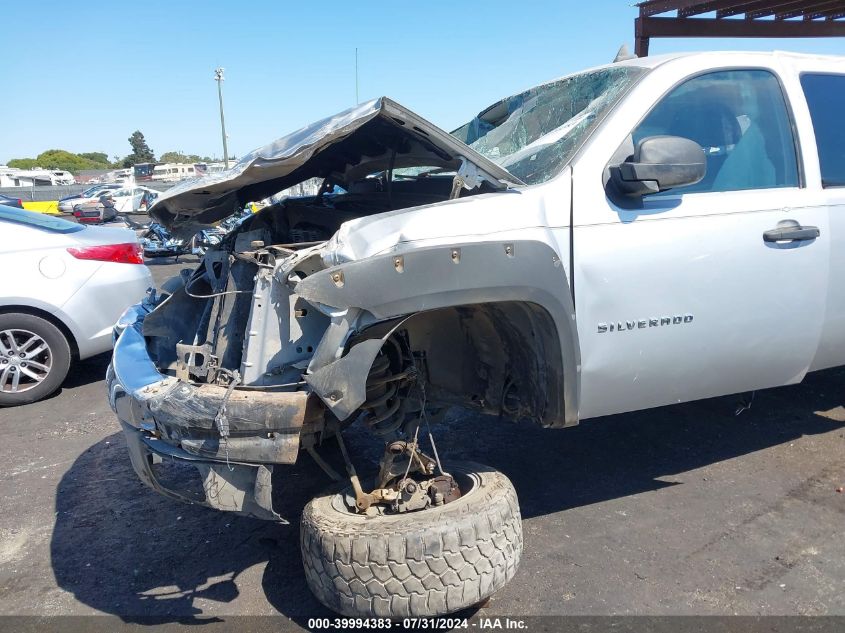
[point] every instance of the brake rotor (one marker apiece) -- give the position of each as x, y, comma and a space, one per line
445, 486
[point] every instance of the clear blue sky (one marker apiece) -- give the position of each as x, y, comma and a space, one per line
82, 76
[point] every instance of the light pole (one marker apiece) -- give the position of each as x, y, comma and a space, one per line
218, 77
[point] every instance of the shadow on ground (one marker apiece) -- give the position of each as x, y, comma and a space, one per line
121, 549
81, 373
87, 371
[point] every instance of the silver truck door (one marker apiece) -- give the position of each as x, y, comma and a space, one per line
689, 296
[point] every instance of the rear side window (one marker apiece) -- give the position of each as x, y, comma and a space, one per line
37, 220
826, 98
740, 119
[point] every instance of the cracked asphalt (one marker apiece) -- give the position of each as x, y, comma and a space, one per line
687, 509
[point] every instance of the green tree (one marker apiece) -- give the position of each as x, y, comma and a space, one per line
141, 152
23, 163
179, 157
175, 157
97, 157
62, 159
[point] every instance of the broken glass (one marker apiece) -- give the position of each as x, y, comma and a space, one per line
535, 133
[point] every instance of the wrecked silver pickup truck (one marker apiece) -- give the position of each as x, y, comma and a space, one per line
436, 269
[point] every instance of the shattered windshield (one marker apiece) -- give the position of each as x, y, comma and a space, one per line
535, 133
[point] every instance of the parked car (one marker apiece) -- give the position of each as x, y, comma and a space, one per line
67, 203
64, 286
125, 199
635, 235
107, 207
10, 201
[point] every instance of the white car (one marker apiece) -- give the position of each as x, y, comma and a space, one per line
126, 199
63, 287
67, 203
653, 231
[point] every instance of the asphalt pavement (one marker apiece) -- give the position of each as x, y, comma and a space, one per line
688, 509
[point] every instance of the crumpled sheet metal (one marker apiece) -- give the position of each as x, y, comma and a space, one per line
215, 196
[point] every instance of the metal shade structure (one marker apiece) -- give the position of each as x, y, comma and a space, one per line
760, 18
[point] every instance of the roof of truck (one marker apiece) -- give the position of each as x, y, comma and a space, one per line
653, 61
720, 57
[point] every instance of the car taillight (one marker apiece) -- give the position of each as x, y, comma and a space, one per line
129, 253
20, 203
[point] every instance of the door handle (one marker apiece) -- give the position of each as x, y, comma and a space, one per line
792, 232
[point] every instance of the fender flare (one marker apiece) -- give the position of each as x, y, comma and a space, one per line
411, 280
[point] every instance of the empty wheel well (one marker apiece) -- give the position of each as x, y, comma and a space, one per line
503, 358
47, 316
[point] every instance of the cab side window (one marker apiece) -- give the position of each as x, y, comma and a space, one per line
740, 119
826, 99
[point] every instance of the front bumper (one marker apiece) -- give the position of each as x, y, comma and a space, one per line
169, 422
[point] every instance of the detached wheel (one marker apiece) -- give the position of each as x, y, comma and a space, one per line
425, 563
34, 358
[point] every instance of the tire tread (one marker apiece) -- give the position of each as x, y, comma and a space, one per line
423, 566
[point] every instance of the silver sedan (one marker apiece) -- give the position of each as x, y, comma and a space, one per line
62, 287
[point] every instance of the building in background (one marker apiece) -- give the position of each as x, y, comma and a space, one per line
86, 176
172, 172
14, 177
305, 188
209, 168
143, 172
115, 175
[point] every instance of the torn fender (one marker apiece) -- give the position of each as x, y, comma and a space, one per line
343, 381
413, 280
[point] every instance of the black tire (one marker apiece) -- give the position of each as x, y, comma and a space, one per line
60, 356
425, 563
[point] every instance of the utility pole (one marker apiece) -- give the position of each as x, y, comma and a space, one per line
218, 77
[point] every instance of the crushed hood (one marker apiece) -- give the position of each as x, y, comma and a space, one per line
345, 147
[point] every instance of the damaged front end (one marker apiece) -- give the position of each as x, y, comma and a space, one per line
237, 365
230, 439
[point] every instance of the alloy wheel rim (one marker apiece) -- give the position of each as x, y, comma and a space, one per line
25, 360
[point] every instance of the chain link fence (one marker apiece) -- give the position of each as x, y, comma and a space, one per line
43, 193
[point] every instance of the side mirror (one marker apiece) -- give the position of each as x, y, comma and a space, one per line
660, 163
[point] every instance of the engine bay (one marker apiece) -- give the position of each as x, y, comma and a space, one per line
231, 305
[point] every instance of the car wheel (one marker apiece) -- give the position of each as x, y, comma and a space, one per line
426, 563
34, 358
